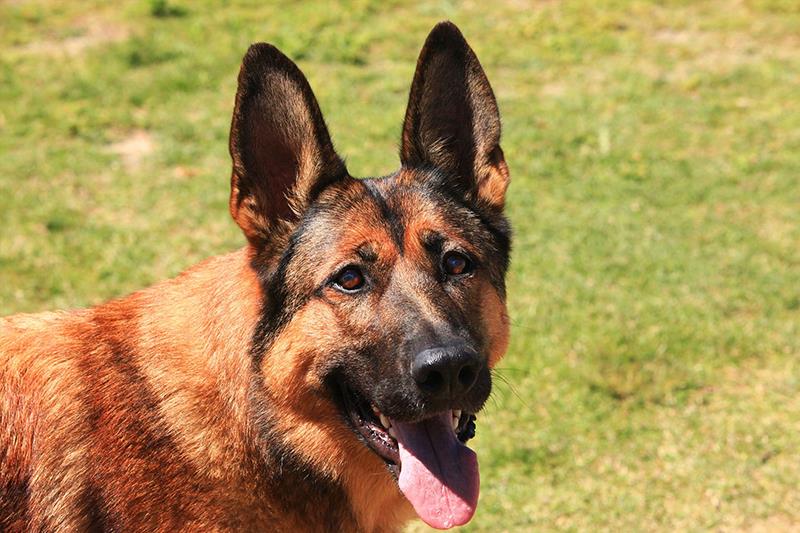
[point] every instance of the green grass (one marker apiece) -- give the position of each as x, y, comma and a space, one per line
653, 380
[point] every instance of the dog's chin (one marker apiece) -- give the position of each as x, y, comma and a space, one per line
378, 432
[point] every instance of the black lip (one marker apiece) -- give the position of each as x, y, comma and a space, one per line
368, 426
363, 421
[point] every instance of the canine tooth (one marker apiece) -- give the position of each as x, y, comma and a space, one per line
385, 421
375, 410
457, 414
454, 422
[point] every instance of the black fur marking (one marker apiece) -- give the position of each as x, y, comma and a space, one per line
392, 218
142, 399
275, 311
300, 488
367, 253
146, 432
14, 501
97, 518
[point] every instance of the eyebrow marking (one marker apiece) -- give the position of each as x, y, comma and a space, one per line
432, 240
367, 253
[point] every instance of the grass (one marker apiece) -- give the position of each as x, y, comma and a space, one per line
653, 380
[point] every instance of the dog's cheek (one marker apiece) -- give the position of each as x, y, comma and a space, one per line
304, 413
292, 386
494, 317
294, 351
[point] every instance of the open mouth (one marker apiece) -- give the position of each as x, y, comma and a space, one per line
380, 433
434, 469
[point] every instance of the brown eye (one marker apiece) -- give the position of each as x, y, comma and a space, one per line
350, 279
456, 264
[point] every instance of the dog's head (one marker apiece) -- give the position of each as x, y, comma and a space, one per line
384, 298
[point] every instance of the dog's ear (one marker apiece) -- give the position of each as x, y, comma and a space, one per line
452, 122
282, 154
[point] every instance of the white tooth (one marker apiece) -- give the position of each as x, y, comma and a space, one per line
391, 432
375, 410
385, 421
455, 423
457, 414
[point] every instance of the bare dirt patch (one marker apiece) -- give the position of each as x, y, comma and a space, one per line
773, 524
87, 32
720, 52
134, 148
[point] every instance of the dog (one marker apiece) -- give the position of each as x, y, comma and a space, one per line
325, 377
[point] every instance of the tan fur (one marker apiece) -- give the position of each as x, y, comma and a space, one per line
54, 372
494, 181
494, 316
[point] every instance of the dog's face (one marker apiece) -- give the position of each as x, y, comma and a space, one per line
384, 298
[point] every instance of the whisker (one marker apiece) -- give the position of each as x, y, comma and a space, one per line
498, 372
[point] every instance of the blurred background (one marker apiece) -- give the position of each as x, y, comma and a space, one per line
653, 380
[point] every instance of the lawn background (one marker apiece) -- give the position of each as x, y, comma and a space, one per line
653, 379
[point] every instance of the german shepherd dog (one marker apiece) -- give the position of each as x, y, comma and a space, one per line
325, 377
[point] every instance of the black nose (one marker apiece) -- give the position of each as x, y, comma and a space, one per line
446, 372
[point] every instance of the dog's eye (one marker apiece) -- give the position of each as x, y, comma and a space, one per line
456, 264
350, 279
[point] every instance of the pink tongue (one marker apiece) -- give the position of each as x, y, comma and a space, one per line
438, 474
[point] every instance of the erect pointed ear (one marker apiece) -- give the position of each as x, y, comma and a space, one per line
452, 122
282, 154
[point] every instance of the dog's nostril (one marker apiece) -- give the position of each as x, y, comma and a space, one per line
466, 376
432, 382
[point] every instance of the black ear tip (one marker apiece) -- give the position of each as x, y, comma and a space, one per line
446, 26
445, 33
260, 52
264, 56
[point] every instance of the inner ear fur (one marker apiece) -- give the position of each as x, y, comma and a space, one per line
452, 121
282, 153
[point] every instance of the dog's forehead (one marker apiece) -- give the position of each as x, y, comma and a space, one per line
391, 214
